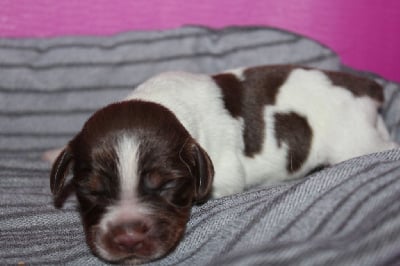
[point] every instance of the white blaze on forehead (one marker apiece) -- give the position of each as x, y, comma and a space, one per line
127, 208
128, 155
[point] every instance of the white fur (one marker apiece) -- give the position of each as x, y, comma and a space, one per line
127, 208
343, 125
127, 153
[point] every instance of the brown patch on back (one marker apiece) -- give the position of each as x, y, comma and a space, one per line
248, 98
261, 86
294, 130
232, 90
359, 86
265, 81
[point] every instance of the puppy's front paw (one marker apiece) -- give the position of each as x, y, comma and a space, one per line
51, 155
226, 191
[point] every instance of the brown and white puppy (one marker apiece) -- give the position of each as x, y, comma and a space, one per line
139, 165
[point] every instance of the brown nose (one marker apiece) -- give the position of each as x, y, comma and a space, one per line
130, 237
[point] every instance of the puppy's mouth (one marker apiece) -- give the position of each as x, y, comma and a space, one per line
122, 245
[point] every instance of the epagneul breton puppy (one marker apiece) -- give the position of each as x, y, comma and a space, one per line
139, 165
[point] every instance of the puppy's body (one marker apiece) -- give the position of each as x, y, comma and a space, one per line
138, 165
276, 127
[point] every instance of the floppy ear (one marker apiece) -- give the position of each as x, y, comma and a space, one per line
59, 172
203, 172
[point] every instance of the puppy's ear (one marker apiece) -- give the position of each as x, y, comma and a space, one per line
203, 172
59, 172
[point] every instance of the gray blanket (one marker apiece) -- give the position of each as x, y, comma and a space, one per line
348, 214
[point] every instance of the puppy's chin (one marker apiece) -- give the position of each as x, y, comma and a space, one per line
127, 259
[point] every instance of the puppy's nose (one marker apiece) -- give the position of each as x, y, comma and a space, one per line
130, 237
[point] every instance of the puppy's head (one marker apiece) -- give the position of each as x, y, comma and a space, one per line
136, 172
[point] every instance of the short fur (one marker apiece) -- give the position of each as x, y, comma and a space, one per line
139, 165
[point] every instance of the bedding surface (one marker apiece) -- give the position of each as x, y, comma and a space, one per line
347, 214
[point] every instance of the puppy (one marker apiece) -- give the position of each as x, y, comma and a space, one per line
139, 165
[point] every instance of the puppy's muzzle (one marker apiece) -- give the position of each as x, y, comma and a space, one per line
130, 238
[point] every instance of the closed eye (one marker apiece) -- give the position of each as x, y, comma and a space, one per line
96, 197
171, 184
101, 200
159, 188
174, 184
177, 192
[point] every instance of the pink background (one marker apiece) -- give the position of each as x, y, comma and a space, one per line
366, 33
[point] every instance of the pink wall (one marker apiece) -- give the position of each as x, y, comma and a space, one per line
366, 33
